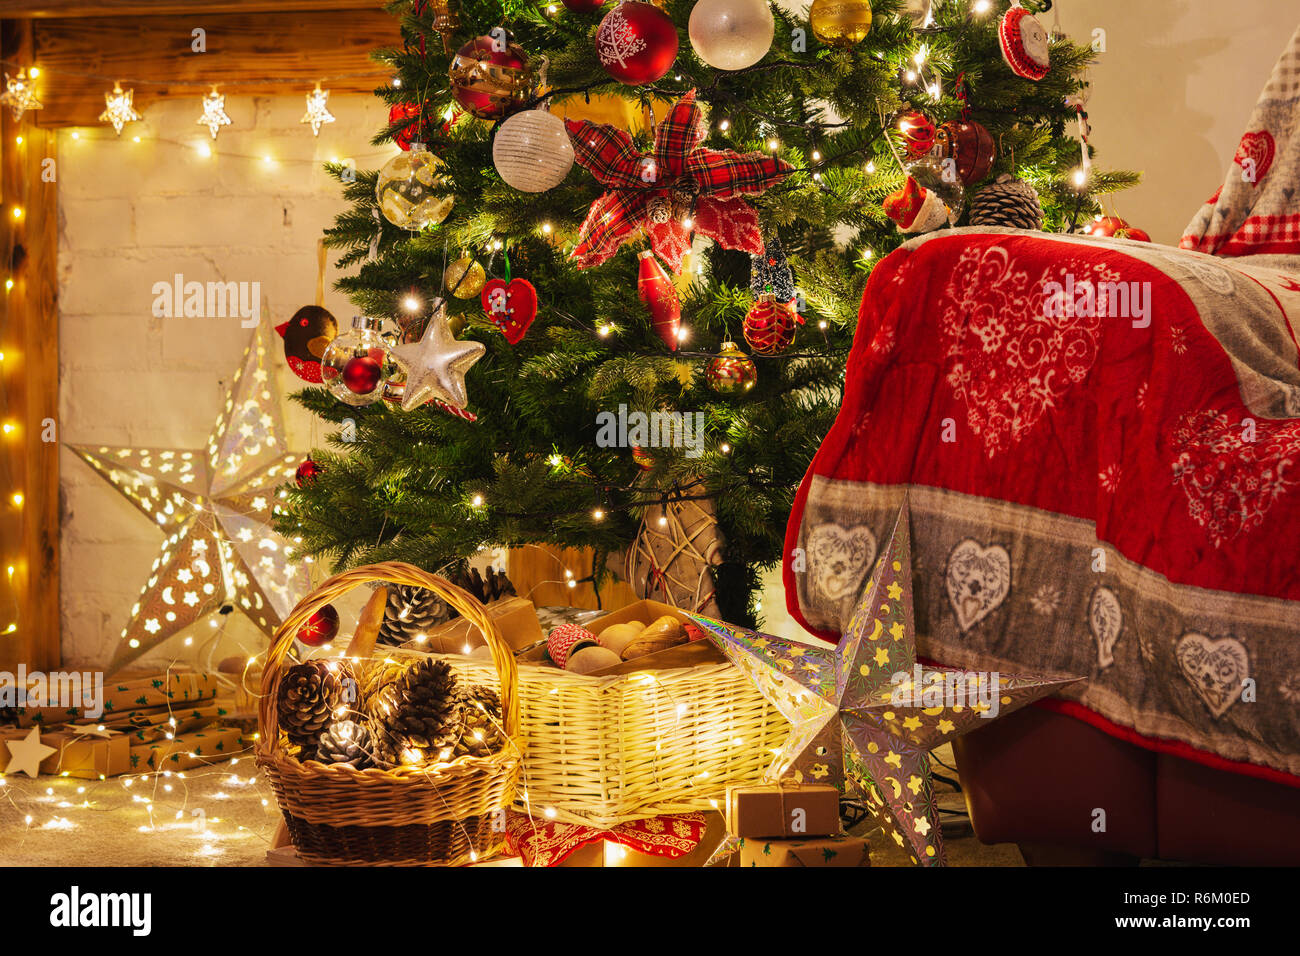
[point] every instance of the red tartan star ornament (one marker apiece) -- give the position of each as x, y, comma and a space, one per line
679, 188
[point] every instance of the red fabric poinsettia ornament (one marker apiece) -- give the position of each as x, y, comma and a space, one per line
679, 188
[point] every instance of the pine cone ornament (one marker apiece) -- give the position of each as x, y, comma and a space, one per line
1008, 202
480, 714
410, 612
309, 694
414, 712
492, 588
345, 741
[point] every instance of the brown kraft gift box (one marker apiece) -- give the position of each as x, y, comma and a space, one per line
784, 810
818, 851
515, 617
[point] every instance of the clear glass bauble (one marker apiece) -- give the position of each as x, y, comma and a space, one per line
405, 190
357, 365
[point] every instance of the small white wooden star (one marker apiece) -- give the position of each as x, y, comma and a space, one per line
25, 755
214, 112
317, 115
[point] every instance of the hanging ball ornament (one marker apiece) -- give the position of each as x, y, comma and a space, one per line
464, 278
307, 472
356, 366
405, 190
943, 180
840, 22
918, 134
769, 326
532, 151
636, 43
490, 75
969, 145
731, 34
731, 371
1024, 43
321, 628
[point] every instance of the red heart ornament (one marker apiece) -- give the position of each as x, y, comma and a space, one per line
1258, 149
511, 306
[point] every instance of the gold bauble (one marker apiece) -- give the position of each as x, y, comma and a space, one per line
464, 278
840, 22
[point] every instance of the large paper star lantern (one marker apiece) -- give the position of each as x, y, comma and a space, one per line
865, 714
678, 189
215, 507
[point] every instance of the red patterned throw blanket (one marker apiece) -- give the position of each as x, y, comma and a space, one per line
1100, 443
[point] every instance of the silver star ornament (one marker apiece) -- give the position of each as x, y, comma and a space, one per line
436, 365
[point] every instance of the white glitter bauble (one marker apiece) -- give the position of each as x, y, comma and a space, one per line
731, 34
532, 151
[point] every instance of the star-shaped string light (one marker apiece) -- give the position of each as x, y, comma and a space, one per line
215, 507
436, 365
26, 754
119, 109
20, 93
214, 112
317, 114
864, 713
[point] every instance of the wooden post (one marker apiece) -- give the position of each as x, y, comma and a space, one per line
29, 377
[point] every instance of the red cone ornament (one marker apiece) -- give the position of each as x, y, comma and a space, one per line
659, 296
636, 43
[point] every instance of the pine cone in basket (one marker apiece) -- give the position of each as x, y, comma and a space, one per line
495, 587
345, 741
309, 694
410, 612
480, 714
414, 712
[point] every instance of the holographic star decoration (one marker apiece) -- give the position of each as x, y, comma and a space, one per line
119, 109
436, 365
214, 112
317, 115
20, 94
865, 714
215, 507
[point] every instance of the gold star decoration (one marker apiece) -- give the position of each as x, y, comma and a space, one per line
214, 507
25, 755
214, 112
870, 720
317, 114
119, 109
436, 365
20, 94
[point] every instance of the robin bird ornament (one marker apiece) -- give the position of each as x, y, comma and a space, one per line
306, 336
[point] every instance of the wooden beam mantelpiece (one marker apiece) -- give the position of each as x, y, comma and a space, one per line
29, 339
263, 53
25, 9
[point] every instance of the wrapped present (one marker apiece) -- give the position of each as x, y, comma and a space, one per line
783, 810
124, 700
675, 839
197, 749
818, 851
88, 755
515, 617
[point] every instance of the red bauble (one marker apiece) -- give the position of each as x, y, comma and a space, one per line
584, 6
1114, 226
918, 134
362, 374
321, 628
659, 295
402, 112
490, 77
636, 43
970, 146
307, 473
769, 326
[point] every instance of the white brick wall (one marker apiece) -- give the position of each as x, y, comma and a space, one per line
132, 214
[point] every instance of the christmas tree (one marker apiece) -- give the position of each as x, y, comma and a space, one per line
854, 114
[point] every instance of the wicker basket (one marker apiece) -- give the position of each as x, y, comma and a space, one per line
407, 816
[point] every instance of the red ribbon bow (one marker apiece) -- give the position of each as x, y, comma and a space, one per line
658, 191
